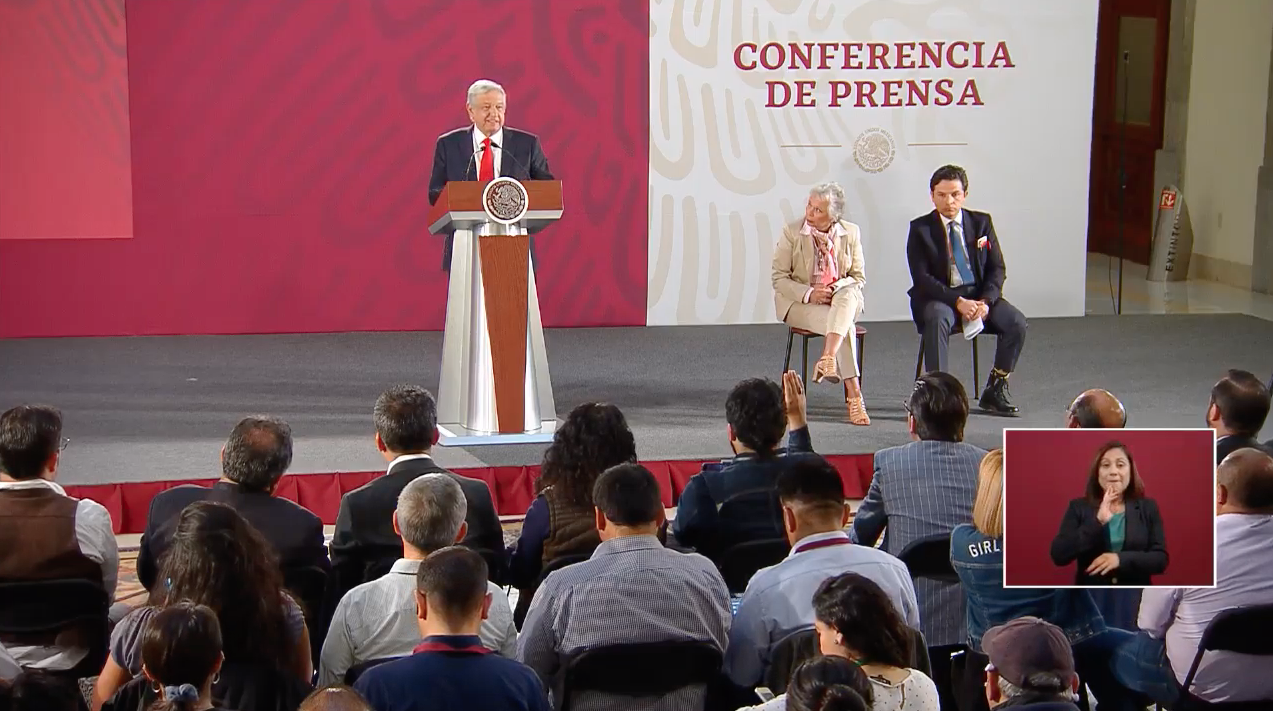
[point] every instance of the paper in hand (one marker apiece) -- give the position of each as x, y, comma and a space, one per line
972, 328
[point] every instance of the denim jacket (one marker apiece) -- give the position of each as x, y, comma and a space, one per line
978, 560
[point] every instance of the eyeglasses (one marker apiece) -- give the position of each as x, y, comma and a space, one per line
63, 444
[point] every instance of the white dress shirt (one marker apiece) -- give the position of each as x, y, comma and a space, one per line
1244, 576
498, 137
378, 619
955, 279
96, 539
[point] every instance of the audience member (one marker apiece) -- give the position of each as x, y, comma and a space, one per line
1096, 409
1030, 666
922, 489
559, 522
856, 620
253, 461
1237, 410
824, 683
364, 546
36, 690
219, 560
632, 590
181, 654
335, 698
1156, 660
378, 619
779, 599
734, 501
45, 534
976, 552
451, 669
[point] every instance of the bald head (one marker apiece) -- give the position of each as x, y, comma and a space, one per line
1244, 482
1097, 409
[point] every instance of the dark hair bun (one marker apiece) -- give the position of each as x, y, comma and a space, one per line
838, 697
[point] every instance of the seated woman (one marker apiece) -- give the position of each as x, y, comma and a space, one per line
180, 655
217, 559
976, 553
826, 683
561, 520
818, 277
1114, 532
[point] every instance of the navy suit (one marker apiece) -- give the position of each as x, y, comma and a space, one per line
933, 299
453, 159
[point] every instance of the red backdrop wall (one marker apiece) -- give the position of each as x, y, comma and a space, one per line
281, 154
1045, 470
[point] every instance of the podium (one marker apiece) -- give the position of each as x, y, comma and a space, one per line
495, 387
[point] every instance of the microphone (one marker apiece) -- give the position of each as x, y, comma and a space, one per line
515, 161
472, 161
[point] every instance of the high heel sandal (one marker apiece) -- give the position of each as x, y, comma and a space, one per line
857, 411
826, 369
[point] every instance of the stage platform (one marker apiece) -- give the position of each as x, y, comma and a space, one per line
155, 409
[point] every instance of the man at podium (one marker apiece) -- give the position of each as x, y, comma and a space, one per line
484, 150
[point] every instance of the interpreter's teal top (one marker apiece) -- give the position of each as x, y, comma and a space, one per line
1116, 531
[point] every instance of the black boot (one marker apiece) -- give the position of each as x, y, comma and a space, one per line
994, 399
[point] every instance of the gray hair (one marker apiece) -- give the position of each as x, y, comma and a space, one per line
481, 86
430, 512
1040, 684
834, 195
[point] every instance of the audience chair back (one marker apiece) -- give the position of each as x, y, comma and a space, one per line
739, 562
1242, 630
357, 670
929, 557
639, 670
494, 563
308, 586
790, 653
37, 609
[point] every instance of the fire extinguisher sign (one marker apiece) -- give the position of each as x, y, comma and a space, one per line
1168, 199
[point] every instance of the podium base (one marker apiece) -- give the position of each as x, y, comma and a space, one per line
453, 435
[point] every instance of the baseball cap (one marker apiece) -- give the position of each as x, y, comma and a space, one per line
1027, 646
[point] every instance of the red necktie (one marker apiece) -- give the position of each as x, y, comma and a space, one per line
486, 171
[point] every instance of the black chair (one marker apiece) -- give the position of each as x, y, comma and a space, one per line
638, 670
525, 596
929, 557
739, 562
308, 586
494, 563
976, 362
805, 337
38, 609
357, 670
1242, 630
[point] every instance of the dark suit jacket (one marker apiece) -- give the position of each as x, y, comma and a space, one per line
1082, 538
295, 532
928, 253
364, 545
1231, 443
453, 159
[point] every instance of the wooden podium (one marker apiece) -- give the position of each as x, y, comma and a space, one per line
495, 387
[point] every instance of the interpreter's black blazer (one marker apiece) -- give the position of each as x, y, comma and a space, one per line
1082, 538
928, 254
296, 533
453, 159
364, 545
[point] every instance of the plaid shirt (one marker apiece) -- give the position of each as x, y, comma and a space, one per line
632, 590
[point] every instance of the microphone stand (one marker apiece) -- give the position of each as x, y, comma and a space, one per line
1122, 184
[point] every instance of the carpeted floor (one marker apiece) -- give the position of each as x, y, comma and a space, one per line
159, 408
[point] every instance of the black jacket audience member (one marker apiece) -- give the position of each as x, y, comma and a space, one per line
364, 546
181, 654
1031, 667
450, 669
735, 501
253, 461
1237, 410
219, 560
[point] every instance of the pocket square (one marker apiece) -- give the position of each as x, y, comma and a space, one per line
984, 242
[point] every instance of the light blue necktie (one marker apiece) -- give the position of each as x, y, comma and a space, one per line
957, 253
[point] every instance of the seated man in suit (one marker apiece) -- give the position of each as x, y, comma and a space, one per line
365, 546
45, 534
1238, 407
1096, 409
960, 285
253, 461
376, 620
779, 599
484, 150
632, 590
926, 488
735, 501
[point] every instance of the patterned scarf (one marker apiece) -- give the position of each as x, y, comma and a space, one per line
824, 267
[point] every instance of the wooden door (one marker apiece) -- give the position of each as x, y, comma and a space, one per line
1137, 28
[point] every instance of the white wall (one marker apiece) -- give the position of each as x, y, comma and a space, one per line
1228, 99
